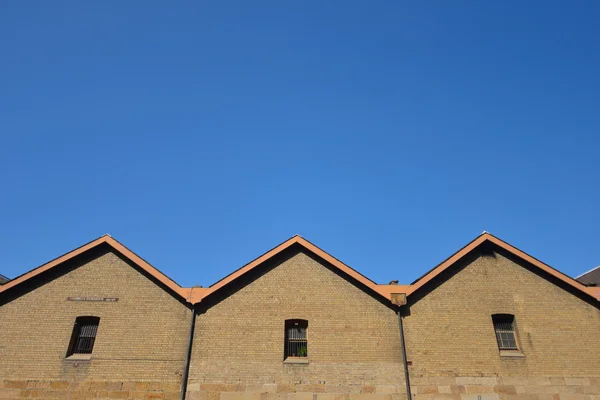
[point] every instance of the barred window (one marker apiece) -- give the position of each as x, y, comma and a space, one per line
296, 340
504, 326
84, 335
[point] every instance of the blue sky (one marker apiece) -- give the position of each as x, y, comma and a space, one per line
202, 134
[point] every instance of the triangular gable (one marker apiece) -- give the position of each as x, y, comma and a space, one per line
452, 260
106, 239
384, 291
196, 294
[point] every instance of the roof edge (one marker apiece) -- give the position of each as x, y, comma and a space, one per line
104, 239
296, 239
195, 295
486, 236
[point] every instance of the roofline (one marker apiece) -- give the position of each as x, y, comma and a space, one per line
587, 272
485, 236
105, 239
382, 290
197, 294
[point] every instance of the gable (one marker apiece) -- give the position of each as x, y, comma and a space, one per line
262, 266
63, 264
101, 282
383, 292
457, 309
487, 243
296, 284
390, 293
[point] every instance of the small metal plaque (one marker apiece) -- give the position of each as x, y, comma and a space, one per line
104, 299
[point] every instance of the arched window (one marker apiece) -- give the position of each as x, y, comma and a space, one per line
296, 338
83, 336
504, 326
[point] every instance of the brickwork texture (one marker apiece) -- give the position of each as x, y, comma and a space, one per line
353, 339
354, 348
141, 339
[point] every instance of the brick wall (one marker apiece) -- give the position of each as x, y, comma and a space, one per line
353, 339
353, 347
140, 345
452, 345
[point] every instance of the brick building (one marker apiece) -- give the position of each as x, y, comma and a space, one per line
490, 322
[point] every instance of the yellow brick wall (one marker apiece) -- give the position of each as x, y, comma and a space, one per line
450, 331
142, 337
353, 339
354, 344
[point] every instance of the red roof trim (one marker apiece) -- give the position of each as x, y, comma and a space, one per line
502, 244
196, 294
382, 291
137, 260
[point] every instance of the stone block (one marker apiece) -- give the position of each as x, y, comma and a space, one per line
42, 385
386, 389
426, 389
154, 395
514, 380
505, 389
595, 390
557, 381
577, 381
476, 380
270, 388
127, 386
485, 396
539, 381
118, 395
210, 395
369, 396
326, 396
195, 395
171, 387
574, 396
273, 396
300, 396
285, 388
213, 387
15, 384
113, 386
368, 389
154, 386
9, 393
82, 395
57, 394
479, 389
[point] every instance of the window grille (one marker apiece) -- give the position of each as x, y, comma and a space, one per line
504, 326
84, 335
296, 341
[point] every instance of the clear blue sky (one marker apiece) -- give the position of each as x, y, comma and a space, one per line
202, 134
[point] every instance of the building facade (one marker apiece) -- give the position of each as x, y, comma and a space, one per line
491, 322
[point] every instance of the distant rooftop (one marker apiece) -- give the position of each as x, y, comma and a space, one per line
590, 278
3, 279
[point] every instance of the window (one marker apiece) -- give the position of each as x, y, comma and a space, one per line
504, 326
84, 335
296, 342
